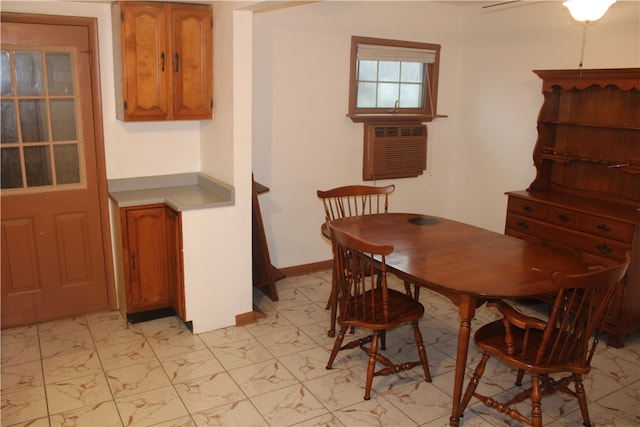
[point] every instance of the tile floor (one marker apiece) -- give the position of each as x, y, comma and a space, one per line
96, 370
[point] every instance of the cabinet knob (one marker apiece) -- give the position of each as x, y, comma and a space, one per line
133, 260
604, 249
527, 208
522, 225
162, 57
563, 218
177, 56
603, 228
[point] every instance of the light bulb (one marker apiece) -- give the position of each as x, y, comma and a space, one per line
588, 10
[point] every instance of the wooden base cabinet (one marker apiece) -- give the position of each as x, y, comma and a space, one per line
585, 198
152, 259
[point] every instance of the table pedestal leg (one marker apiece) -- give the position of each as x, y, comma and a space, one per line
467, 310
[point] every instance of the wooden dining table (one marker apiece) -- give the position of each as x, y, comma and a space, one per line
469, 265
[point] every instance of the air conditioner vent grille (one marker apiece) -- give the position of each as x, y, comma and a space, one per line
392, 151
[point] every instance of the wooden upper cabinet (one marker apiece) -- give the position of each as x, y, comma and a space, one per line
164, 61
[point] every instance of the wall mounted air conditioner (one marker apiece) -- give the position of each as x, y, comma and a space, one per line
394, 151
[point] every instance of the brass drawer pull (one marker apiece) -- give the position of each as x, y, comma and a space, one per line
603, 228
604, 249
563, 218
522, 225
527, 208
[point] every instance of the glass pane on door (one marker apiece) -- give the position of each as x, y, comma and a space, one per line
59, 73
38, 166
39, 124
33, 120
29, 75
10, 166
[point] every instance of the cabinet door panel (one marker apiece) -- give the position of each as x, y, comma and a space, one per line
192, 61
148, 284
146, 61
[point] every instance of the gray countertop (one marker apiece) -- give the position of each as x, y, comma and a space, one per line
181, 191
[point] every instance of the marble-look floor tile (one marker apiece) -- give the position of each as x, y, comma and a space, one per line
199, 394
69, 366
241, 413
21, 376
225, 336
77, 392
338, 389
113, 330
263, 377
10, 335
24, 405
304, 314
62, 326
240, 353
165, 345
421, 401
624, 402
322, 421
14, 351
57, 345
290, 296
186, 421
307, 364
270, 324
136, 379
374, 412
151, 407
620, 370
102, 414
288, 406
273, 372
191, 365
165, 326
287, 341
126, 354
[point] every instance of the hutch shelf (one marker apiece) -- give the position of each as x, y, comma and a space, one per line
585, 197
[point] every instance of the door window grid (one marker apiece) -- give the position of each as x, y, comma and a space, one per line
40, 149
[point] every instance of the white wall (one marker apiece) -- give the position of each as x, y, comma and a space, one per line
304, 142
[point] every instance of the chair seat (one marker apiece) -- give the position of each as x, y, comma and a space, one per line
402, 309
490, 338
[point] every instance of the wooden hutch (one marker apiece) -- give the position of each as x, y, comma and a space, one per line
585, 198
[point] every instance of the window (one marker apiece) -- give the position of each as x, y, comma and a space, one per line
393, 79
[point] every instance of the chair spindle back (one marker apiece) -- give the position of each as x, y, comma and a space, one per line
352, 200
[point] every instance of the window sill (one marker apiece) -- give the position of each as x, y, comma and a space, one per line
394, 117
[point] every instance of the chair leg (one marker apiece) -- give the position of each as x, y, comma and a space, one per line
332, 304
371, 367
536, 397
336, 347
421, 351
519, 377
582, 399
473, 384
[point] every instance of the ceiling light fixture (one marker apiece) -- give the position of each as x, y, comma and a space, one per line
588, 10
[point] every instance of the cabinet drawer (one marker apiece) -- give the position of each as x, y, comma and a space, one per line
566, 237
564, 217
606, 228
528, 208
